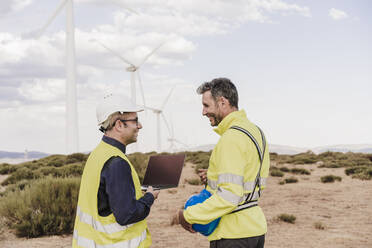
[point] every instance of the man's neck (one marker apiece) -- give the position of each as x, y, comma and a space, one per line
228, 111
115, 136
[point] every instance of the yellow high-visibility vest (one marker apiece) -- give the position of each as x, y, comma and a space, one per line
233, 167
93, 230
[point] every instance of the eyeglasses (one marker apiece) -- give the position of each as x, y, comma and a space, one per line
135, 120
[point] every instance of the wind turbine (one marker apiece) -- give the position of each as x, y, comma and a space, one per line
72, 136
133, 69
173, 140
159, 114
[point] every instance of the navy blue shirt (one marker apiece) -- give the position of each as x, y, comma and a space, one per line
116, 192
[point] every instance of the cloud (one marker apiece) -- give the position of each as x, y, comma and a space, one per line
337, 14
199, 17
13, 5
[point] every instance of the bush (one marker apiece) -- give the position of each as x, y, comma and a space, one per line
46, 207
276, 173
300, 171
289, 218
21, 185
76, 157
291, 180
284, 169
319, 225
194, 181
20, 174
330, 179
8, 168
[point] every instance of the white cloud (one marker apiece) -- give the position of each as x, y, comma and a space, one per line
337, 14
8, 6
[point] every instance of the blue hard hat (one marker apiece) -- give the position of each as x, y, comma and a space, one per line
206, 229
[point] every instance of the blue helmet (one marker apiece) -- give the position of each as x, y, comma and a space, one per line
206, 229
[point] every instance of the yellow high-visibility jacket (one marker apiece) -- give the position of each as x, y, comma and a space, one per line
233, 167
93, 230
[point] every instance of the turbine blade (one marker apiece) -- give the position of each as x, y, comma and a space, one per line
166, 99
166, 123
141, 88
130, 9
172, 127
114, 53
149, 55
51, 18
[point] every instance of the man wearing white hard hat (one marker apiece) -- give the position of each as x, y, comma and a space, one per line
112, 209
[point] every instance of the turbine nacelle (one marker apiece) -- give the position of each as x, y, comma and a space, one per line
132, 68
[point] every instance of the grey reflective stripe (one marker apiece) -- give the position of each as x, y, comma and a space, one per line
248, 186
230, 178
246, 205
212, 184
109, 228
89, 243
229, 196
263, 181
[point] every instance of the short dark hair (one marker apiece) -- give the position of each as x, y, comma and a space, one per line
221, 87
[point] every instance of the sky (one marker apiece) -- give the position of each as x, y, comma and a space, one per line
303, 69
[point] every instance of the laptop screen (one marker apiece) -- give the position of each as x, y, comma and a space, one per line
164, 170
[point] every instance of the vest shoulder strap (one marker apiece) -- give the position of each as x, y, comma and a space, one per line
261, 153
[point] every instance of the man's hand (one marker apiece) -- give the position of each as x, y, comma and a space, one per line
178, 218
155, 193
203, 175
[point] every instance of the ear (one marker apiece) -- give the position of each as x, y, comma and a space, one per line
223, 101
118, 124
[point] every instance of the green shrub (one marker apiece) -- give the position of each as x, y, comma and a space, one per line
284, 169
276, 173
8, 168
72, 170
289, 218
194, 181
355, 170
20, 174
76, 157
56, 163
330, 179
291, 180
319, 225
47, 207
300, 171
21, 185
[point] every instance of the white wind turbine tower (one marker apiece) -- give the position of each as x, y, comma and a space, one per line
173, 140
134, 70
159, 114
72, 136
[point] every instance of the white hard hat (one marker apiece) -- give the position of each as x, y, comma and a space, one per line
114, 103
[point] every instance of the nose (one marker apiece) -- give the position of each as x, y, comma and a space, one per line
139, 125
204, 112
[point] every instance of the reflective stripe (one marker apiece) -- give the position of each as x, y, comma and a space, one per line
109, 228
212, 184
230, 178
89, 243
248, 186
229, 196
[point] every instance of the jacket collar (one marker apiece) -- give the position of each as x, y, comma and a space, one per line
227, 122
114, 143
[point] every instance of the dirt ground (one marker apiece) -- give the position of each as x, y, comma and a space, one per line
343, 208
